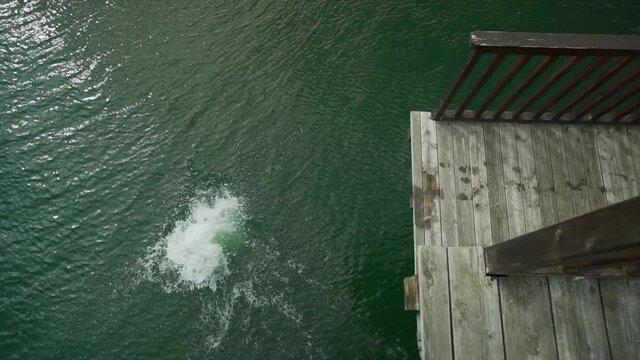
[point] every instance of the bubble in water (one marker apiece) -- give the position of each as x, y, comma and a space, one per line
193, 253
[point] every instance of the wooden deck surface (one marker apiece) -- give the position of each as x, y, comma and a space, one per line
477, 184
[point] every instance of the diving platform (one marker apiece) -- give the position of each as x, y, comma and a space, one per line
478, 184
489, 283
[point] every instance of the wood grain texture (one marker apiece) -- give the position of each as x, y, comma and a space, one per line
608, 165
475, 310
434, 303
544, 175
447, 176
431, 183
416, 181
513, 186
463, 194
593, 174
528, 180
576, 171
518, 178
479, 185
526, 312
633, 133
620, 297
580, 326
495, 182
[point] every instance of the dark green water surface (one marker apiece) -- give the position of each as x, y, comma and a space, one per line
224, 179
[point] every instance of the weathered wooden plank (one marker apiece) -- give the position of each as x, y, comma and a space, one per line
544, 175
430, 181
434, 303
620, 298
576, 169
416, 181
513, 186
462, 170
411, 293
448, 212
526, 318
528, 180
566, 291
608, 166
595, 187
577, 309
479, 185
560, 172
495, 182
622, 314
626, 171
475, 309
634, 143
552, 43
580, 326
526, 312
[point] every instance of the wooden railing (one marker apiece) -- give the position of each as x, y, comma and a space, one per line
605, 242
543, 77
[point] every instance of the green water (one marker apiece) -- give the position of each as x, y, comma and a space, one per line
224, 179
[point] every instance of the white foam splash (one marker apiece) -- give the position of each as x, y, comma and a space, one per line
194, 249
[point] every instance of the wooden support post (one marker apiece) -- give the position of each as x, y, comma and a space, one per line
605, 242
411, 291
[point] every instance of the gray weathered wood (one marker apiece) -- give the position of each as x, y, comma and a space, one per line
526, 318
560, 172
495, 182
552, 43
580, 331
634, 143
577, 180
528, 180
593, 174
434, 303
430, 181
550, 175
479, 185
595, 189
620, 298
624, 159
411, 293
622, 313
544, 175
608, 236
475, 309
513, 186
447, 177
462, 170
526, 312
580, 327
608, 166
416, 180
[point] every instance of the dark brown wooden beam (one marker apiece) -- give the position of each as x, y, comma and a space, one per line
608, 238
555, 44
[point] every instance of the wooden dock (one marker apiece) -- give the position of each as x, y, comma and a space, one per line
480, 183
